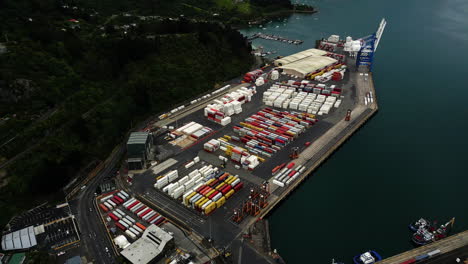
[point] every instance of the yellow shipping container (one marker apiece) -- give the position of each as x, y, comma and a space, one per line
209, 181
210, 193
227, 137
200, 202
220, 202
260, 159
229, 194
231, 180
210, 208
207, 201
228, 178
222, 139
221, 185
187, 199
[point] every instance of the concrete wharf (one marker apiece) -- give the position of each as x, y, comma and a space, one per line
445, 245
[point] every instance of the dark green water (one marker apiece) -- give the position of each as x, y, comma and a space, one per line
411, 159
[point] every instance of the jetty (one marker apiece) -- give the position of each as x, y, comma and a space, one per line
276, 38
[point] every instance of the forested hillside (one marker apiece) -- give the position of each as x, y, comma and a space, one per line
73, 81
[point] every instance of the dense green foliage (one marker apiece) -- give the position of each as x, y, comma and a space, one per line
89, 84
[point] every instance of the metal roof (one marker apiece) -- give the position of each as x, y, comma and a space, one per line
21, 239
307, 65
299, 56
148, 247
138, 138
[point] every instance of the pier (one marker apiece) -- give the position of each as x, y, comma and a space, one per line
276, 38
446, 245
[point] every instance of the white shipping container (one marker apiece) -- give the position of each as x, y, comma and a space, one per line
278, 183
134, 231
149, 215
111, 203
130, 234
137, 229
108, 205
127, 203
128, 222
130, 219
123, 223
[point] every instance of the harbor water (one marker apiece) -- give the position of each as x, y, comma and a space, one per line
410, 159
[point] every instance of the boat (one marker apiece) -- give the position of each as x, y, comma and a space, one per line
415, 226
368, 257
426, 233
422, 236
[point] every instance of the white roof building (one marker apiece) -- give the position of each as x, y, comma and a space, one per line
304, 62
21, 239
299, 56
307, 65
152, 243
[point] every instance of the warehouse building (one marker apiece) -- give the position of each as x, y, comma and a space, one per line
304, 62
152, 245
138, 150
18, 240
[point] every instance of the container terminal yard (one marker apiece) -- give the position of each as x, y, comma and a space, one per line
199, 180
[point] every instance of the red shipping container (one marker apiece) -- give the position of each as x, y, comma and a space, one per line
292, 173
213, 195
290, 165
152, 218
145, 213
160, 221
132, 205
119, 199
120, 226
115, 201
103, 207
226, 189
200, 188
238, 186
141, 226
141, 209
113, 216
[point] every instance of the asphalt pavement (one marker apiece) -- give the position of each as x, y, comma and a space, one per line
94, 236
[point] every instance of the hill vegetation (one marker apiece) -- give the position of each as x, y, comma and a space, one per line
76, 75
71, 90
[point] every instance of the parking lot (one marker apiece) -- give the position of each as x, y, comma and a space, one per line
61, 233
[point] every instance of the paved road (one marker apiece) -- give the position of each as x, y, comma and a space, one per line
93, 233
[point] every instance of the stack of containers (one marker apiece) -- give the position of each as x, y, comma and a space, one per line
213, 194
288, 174
269, 130
211, 145
164, 180
220, 110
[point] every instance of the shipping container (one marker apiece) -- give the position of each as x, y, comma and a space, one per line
130, 219
123, 197
134, 231
129, 202
152, 218
137, 207
137, 229
135, 203
113, 216
130, 234
121, 227
156, 219
130, 223
238, 186
148, 216
141, 226
145, 213
108, 205
123, 223
160, 221
220, 202
126, 194
120, 212
111, 203
229, 194
408, 261
103, 207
